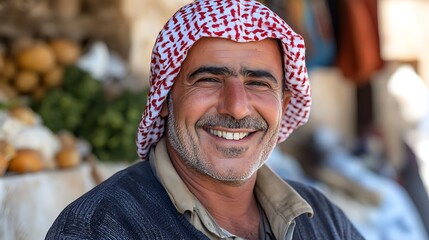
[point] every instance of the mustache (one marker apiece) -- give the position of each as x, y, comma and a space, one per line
226, 121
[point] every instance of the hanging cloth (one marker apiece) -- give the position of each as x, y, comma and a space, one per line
358, 40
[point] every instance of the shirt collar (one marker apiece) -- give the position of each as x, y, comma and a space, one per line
281, 203
164, 170
184, 201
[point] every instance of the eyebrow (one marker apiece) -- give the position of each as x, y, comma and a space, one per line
258, 74
225, 71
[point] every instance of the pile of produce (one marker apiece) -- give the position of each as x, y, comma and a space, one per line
28, 69
83, 107
26, 145
32, 67
64, 108
48, 106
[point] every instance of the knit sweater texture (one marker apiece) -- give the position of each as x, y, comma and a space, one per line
132, 204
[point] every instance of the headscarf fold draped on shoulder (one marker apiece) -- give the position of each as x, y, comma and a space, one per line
237, 20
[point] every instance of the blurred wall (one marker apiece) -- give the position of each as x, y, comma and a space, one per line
404, 32
146, 18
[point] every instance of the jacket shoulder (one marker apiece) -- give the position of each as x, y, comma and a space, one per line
131, 204
81, 219
328, 220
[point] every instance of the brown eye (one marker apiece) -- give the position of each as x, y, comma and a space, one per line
207, 82
259, 84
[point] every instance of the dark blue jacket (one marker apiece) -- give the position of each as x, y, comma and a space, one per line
132, 204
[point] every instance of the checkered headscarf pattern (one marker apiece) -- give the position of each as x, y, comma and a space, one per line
237, 20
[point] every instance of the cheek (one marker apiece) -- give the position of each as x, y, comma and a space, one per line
190, 106
270, 108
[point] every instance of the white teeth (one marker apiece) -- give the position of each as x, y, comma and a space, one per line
229, 135
236, 136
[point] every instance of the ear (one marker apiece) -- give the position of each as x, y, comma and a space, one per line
164, 110
286, 100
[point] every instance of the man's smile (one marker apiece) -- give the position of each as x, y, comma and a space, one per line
228, 135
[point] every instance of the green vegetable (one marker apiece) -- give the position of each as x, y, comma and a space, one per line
80, 106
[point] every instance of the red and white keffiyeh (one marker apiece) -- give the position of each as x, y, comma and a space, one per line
237, 20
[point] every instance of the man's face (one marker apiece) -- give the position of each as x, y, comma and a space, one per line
225, 107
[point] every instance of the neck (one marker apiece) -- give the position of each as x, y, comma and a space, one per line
233, 206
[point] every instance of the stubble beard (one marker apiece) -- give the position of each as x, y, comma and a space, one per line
189, 152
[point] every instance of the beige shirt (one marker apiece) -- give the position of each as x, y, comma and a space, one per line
280, 202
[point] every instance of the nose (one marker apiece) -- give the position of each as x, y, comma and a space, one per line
234, 100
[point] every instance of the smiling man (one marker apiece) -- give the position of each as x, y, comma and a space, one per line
228, 82
225, 109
